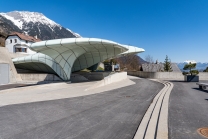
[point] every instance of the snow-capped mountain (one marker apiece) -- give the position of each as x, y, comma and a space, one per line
22, 18
75, 34
190, 61
199, 66
34, 23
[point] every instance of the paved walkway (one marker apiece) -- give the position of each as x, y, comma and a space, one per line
110, 114
54, 91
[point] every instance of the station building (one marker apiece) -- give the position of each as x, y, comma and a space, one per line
61, 57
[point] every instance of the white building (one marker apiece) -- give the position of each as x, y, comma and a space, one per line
67, 55
19, 43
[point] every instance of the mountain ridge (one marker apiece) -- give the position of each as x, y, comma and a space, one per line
199, 65
32, 23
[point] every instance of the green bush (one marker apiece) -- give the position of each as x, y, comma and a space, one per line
185, 73
194, 72
189, 67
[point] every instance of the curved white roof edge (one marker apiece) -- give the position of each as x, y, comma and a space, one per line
132, 50
74, 41
71, 54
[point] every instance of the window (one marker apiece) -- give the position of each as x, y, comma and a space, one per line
11, 41
21, 50
15, 40
24, 50
17, 49
26, 41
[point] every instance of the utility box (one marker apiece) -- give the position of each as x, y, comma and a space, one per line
4, 73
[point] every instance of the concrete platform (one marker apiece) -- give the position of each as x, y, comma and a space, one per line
55, 91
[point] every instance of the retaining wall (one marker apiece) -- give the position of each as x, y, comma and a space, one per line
75, 77
39, 77
93, 76
119, 76
203, 75
165, 75
5, 58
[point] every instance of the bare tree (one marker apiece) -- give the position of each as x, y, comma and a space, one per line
150, 64
149, 59
129, 62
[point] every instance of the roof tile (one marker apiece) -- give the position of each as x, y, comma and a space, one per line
24, 37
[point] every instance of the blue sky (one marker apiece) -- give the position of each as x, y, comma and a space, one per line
177, 28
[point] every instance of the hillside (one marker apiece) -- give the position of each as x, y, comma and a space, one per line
32, 23
2, 39
130, 62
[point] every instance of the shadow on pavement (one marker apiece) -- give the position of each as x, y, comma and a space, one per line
175, 81
203, 81
206, 91
10, 86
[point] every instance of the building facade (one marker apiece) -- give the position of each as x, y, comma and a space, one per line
19, 43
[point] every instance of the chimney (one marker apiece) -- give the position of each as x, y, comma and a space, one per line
36, 37
25, 33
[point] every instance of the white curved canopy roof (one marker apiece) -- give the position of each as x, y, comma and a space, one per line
66, 55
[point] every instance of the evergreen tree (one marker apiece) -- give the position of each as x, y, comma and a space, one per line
191, 66
167, 65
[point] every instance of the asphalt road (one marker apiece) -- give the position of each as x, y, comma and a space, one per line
188, 111
114, 114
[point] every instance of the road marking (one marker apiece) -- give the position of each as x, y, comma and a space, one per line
154, 124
